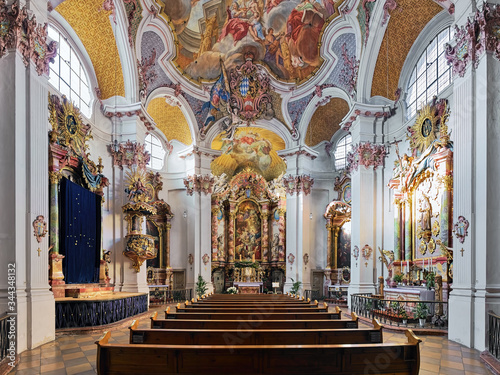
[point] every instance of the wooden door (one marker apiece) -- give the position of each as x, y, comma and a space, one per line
219, 281
317, 280
179, 280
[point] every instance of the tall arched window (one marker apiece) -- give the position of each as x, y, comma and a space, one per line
67, 74
431, 75
156, 150
344, 145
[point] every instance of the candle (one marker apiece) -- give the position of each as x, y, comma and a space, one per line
253, 257
240, 257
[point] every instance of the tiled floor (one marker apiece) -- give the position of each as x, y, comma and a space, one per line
76, 354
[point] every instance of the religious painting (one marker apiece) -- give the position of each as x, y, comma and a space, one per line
221, 253
248, 148
344, 246
248, 232
152, 230
284, 35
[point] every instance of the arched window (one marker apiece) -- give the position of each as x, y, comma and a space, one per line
67, 74
156, 150
431, 75
344, 145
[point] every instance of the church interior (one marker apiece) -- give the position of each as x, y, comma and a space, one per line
159, 152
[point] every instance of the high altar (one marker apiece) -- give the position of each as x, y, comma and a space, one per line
248, 232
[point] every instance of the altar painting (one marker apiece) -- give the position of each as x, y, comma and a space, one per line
344, 246
283, 35
152, 230
248, 232
221, 240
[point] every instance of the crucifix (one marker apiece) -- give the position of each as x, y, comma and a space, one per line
462, 251
39, 250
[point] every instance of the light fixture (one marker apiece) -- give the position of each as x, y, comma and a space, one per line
184, 214
311, 216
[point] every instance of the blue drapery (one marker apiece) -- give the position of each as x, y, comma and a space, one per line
80, 233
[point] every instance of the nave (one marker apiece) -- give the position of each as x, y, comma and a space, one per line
76, 354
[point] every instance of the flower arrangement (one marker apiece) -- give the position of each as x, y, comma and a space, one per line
232, 290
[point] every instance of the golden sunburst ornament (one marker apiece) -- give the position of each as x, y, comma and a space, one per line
423, 132
71, 127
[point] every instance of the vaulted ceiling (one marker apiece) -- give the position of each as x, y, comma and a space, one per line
303, 57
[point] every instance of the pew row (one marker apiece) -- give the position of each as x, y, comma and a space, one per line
255, 336
252, 309
256, 315
253, 324
340, 359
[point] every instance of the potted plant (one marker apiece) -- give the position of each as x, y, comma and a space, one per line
421, 313
295, 286
430, 280
403, 315
201, 286
398, 278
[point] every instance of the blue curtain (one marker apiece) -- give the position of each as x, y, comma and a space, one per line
80, 233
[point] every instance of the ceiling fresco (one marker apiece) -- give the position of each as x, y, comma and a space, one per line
249, 147
283, 35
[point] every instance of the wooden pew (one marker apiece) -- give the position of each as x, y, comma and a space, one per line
341, 359
253, 324
255, 336
252, 309
256, 315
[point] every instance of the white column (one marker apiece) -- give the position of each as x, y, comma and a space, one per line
363, 229
367, 200
203, 238
305, 248
292, 239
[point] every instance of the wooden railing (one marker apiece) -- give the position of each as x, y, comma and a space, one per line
4, 336
494, 334
407, 314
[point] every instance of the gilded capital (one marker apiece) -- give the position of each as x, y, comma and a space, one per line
55, 177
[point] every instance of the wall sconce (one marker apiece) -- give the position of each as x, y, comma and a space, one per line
184, 214
310, 216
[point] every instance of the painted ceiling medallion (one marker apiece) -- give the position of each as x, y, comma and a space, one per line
206, 31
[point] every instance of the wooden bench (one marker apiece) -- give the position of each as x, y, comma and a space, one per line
249, 310
253, 324
256, 315
341, 359
255, 336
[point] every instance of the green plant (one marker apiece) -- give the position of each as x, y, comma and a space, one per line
201, 286
430, 280
398, 278
421, 310
402, 313
295, 286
